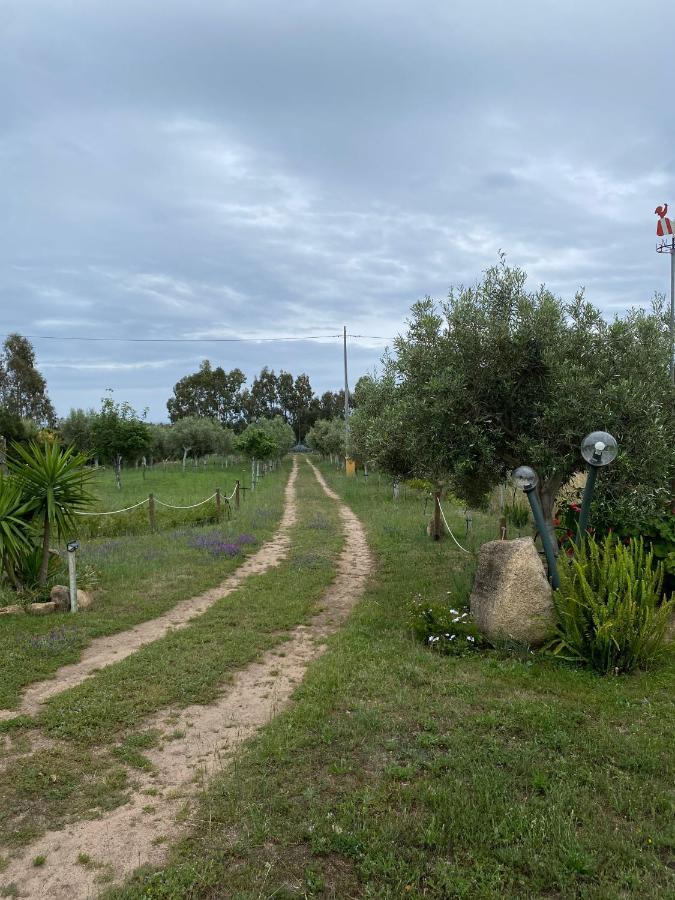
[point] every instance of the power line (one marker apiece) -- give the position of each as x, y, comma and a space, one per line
211, 340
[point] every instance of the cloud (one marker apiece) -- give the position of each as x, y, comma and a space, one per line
215, 170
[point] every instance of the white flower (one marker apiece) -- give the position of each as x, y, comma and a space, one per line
471, 639
455, 612
452, 637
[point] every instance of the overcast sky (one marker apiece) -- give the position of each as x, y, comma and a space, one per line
224, 168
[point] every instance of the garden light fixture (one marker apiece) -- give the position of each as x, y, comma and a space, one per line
71, 547
526, 479
598, 448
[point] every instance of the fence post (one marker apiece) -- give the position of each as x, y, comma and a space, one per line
237, 489
219, 511
151, 512
437, 516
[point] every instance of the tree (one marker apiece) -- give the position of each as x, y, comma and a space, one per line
499, 376
255, 443
209, 393
76, 429
264, 396
278, 431
199, 436
119, 434
52, 481
327, 437
23, 390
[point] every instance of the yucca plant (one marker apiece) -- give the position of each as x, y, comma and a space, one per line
611, 615
53, 483
14, 531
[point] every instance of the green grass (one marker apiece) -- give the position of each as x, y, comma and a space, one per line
100, 725
139, 577
398, 772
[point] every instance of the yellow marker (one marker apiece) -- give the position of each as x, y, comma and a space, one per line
350, 466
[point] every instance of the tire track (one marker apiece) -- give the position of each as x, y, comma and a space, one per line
208, 738
105, 651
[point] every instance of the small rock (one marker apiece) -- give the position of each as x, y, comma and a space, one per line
511, 597
61, 597
10, 610
41, 609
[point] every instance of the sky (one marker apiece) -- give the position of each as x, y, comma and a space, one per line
249, 168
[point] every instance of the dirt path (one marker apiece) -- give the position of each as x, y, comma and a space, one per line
104, 651
199, 742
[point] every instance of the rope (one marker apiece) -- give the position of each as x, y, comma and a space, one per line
112, 512
231, 497
463, 549
192, 506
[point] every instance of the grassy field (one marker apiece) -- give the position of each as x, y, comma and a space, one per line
95, 733
138, 576
398, 772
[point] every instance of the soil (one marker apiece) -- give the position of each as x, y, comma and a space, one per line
199, 741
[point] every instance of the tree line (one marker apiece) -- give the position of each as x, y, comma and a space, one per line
221, 395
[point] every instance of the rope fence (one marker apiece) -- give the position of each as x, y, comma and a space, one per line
445, 521
152, 502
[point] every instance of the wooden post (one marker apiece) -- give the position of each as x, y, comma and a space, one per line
219, 511
502, 528
237, 489
437, 516
243, 490
151, 512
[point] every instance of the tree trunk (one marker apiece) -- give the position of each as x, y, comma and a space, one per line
44, 565
185, 453
118, 472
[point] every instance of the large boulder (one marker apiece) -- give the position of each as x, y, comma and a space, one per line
511, 597
60, 596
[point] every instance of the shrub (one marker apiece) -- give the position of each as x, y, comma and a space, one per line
609, 607
443, 627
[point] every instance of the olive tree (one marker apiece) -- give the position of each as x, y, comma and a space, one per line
499, 376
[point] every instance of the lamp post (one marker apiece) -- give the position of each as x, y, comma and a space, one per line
598, 448
526, 479
72, 547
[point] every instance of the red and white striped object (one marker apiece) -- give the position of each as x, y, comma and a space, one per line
664, 227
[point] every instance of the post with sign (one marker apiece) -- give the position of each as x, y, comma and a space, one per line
665, 232
72, 547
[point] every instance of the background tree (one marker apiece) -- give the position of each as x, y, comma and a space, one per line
23, 390
198, 436
209, 393
280, 432
263, 400
327, 437
255, 443
498, 376
119, 434
76, 429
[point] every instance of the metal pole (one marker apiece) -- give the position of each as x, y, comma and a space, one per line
586, 504
72, 577
344, 340
545, 536
672, 312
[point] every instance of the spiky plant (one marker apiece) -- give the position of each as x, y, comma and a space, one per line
14, 532
610, 609
53, 483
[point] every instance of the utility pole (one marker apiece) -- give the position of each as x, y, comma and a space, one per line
665, 231
350, 468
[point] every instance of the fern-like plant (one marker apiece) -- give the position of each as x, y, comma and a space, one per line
610, 612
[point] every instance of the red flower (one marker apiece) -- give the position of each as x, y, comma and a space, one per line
556, 521
574, 507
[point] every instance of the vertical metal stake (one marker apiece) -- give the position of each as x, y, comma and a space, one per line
72, 578
586, 504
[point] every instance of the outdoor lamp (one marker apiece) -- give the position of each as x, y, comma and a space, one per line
526, 479
598, 448
72, 546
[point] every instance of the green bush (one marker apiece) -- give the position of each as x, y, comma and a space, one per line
609, 607
442, 627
